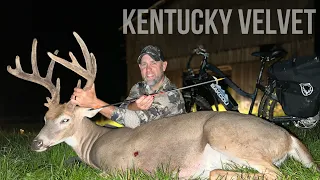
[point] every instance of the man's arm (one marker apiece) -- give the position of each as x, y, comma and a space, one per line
89, 99
164, 105
107, 111
142, 102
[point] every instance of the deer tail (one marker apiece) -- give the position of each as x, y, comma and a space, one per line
300, 153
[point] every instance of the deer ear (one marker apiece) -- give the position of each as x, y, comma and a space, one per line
91, 112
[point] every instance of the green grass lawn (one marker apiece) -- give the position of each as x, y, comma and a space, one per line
17, 161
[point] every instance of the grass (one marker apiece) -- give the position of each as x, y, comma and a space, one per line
17, 161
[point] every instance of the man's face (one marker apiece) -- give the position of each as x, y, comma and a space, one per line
152, 71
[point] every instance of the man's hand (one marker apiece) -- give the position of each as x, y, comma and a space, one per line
142, 103
84, 98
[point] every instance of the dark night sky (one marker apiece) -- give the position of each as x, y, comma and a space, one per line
52, 23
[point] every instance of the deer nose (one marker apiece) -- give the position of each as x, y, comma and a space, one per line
36, 144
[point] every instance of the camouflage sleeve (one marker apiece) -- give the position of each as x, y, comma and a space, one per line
164, 105
134, 93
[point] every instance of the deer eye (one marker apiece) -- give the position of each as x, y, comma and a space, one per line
64, 120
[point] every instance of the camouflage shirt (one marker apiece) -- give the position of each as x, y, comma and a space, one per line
164, 105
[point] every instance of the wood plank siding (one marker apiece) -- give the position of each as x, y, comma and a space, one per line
233, 49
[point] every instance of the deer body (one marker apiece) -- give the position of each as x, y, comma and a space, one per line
127, 148
193, 144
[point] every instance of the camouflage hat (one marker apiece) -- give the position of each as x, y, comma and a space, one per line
153, 51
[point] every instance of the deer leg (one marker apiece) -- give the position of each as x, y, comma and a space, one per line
232, 175
104, 174
267, 171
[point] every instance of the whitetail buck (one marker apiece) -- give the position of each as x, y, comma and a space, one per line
194, 144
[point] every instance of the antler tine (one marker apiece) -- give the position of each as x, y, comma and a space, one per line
34, 64
90, 60
70, 105
94, 65
51, 66
55, 98
84, 50
35, 75
91, 67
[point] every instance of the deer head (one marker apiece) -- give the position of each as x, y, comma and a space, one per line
60, 119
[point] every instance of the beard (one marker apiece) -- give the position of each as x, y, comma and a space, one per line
154, 81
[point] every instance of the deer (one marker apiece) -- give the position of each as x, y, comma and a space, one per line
196, 144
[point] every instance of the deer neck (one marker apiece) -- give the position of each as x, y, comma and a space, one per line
85, 136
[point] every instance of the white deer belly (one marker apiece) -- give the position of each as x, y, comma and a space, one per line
211, 159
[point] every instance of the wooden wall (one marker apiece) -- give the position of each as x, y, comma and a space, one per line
232, 49
179, 45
